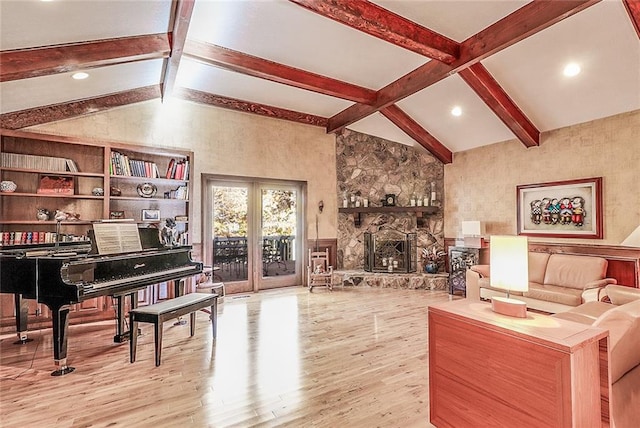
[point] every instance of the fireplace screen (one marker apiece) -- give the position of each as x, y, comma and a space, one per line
390, 251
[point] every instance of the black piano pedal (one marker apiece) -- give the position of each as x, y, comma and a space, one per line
22, 339
124, 337
63, 368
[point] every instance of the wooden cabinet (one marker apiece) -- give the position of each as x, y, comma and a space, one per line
487, 369
156, 180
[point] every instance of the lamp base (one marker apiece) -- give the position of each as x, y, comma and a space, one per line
509, 307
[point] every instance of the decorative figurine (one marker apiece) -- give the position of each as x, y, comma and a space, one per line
114, 191
42, 214
168, 233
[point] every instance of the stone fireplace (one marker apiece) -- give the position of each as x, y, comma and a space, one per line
370, 168
390, 251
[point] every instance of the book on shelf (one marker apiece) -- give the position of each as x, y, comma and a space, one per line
37, 163
122, 165
72, 166
170, 168
182, 192
178, 170
35, 237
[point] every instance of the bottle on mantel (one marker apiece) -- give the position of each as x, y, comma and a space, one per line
433, 193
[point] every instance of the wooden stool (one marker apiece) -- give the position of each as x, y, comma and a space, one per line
167, 310
212, 287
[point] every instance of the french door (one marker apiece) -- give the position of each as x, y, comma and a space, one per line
255, 232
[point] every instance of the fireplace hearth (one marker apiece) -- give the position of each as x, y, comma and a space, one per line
390, 251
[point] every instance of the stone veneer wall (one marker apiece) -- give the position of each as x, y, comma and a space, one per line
372, 167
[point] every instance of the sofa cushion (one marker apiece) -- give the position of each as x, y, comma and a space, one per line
553, 293
537, 266
574, 271
623, 323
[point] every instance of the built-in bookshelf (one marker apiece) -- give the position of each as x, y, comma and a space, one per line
88, 180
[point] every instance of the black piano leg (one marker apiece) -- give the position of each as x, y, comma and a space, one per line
121, 334
178, 289
22, 313
60, 329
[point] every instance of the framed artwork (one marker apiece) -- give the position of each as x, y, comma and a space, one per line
561, 209
56, 184
150, 215
116, 215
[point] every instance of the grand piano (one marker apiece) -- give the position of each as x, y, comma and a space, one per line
60, 276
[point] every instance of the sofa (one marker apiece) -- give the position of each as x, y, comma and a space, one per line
557, 282
621, 316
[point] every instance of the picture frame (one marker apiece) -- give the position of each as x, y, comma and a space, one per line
116, 215
561, 209
150, 215
54, 184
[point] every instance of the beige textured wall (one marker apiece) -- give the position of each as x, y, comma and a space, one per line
225, 142
481, 183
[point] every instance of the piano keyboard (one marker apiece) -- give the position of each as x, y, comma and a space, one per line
124, 280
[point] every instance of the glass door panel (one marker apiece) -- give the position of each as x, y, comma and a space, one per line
279, 225
230, 226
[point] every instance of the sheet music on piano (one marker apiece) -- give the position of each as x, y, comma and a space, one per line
116, 237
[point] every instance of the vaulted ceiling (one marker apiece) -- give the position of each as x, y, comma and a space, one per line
389, 68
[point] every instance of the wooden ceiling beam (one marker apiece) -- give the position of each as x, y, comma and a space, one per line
27, 63
524, 22
182, 11
415, 131
376, 21
490, 91
249, 107
39, 115
633, 9
258, 67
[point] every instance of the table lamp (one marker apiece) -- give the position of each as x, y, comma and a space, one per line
509, 258
472, 234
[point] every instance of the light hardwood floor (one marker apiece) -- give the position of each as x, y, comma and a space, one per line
354, 357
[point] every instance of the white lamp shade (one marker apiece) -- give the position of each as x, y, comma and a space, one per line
471, 228
509, 258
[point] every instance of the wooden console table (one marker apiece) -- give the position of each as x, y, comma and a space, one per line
487, 369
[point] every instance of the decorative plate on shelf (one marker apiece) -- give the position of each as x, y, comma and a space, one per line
8, 186
147, 190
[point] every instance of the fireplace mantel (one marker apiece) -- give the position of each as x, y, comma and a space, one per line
420, 212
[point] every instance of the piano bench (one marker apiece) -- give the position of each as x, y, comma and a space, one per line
167, 310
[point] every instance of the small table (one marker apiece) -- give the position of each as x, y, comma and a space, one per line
487, 369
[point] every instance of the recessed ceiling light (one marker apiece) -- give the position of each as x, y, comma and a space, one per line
456, 111
80, 75
571, 69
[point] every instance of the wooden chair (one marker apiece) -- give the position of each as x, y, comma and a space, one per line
319, 271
